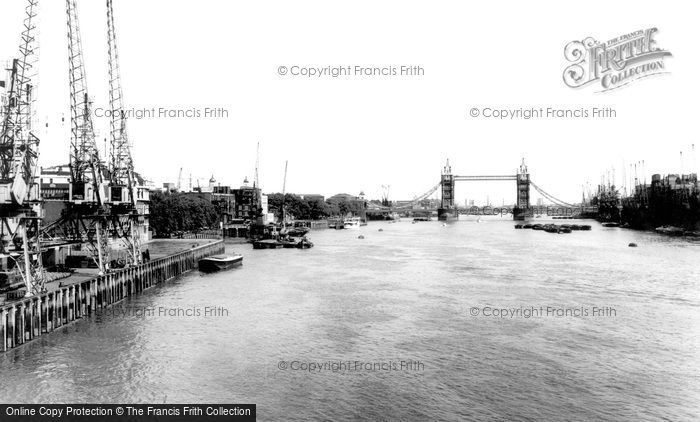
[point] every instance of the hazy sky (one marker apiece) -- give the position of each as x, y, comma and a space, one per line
348, 134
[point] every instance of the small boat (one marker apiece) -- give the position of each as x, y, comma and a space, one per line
585, 227
304, 243
611, 224
266, 244
351, 223
220, 262
298, 231
518, 226
551, 228
289, 243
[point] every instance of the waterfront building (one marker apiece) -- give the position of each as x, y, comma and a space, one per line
237, 208
54, 182
312, 197
357, 203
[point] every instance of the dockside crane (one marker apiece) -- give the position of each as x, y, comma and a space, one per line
86, 190
122, 184
20, 207
84, 219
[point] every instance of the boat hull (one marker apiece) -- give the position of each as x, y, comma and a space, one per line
285, 244
212, 264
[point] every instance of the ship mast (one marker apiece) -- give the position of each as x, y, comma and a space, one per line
284, 196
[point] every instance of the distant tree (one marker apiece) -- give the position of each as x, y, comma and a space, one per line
343, 207
298, 208
172, 212
318, 209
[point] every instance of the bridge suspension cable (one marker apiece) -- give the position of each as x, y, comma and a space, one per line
550, 197
419, 198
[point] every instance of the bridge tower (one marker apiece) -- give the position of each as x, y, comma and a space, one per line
522, 202
447, 210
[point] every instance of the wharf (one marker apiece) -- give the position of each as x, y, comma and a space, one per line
71, 298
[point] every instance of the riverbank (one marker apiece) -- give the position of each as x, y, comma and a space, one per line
80, 295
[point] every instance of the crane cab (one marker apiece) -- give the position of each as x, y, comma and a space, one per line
118, 195
84, 193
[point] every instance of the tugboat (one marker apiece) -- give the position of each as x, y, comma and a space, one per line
220, 262
298, 231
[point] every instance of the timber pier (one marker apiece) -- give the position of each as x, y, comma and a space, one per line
28, 318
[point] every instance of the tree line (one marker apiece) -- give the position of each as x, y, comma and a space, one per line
312, 208
174, 212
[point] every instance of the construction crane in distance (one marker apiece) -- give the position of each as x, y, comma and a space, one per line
179, 180
256, 182
385, 195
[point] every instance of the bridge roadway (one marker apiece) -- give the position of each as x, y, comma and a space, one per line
484, 178
549, 210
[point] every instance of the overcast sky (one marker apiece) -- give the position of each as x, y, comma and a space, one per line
349, 134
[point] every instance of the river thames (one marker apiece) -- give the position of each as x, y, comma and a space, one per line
469, 321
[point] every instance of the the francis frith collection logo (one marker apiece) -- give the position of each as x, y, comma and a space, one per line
615, 63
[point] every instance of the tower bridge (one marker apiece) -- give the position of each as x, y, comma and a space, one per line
522, 209
448, 210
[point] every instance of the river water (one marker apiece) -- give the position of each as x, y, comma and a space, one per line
469, 321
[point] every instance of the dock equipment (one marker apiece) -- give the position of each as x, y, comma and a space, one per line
101, 211
20, 211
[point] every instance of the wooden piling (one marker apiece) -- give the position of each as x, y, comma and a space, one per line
28, 318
